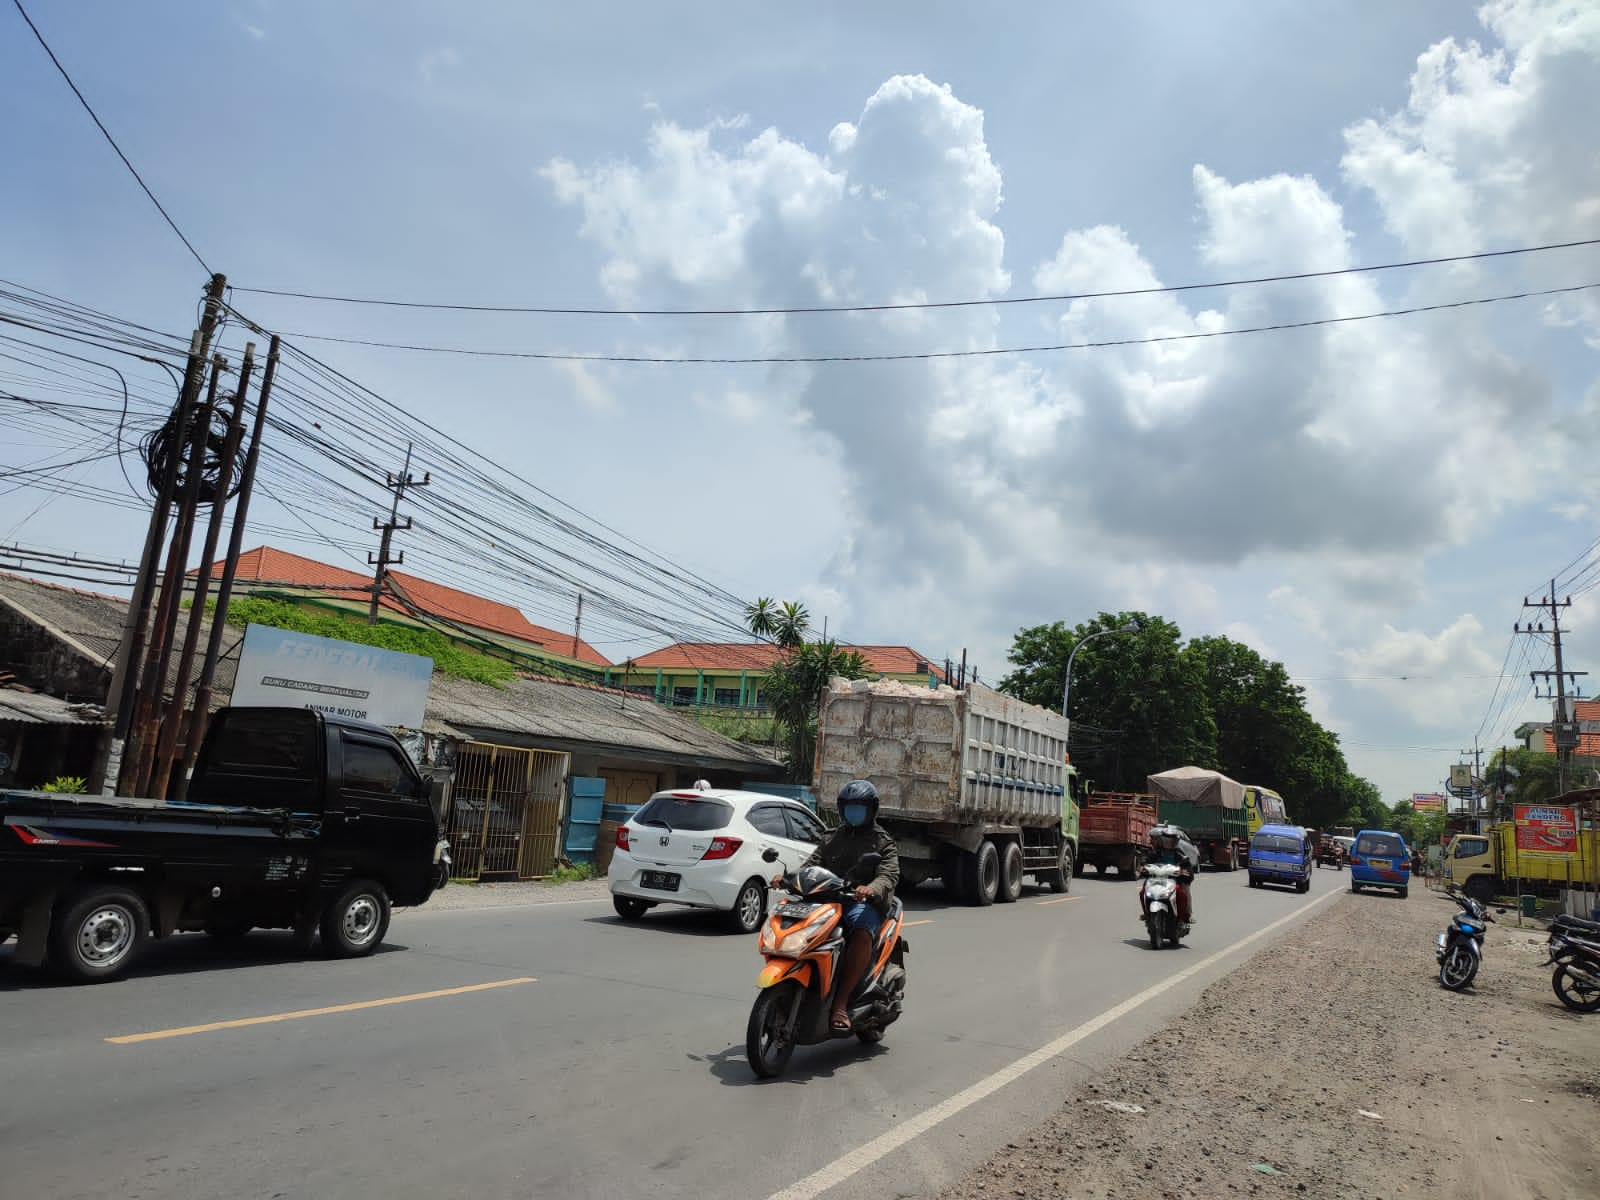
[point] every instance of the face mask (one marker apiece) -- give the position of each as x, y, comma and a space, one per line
854, 814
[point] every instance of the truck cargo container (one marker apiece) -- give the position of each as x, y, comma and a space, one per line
974, 786
1210, 808
1114, 831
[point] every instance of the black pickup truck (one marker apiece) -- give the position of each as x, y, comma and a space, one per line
295, 820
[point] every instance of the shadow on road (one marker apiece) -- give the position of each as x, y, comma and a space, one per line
668, 918
185, 954
1143, 943
732, 1069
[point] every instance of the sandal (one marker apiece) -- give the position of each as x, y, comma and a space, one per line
840, 1024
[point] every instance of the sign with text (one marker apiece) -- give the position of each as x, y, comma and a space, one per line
278, 667
1546, 829
1461, 776
1428, 802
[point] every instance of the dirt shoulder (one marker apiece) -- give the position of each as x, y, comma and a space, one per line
1334, 1059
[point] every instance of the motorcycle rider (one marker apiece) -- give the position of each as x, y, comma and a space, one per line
859, 834
1169, 845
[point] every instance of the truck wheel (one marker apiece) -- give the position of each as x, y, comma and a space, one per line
1233, 858
983, 875
1060, 880
1010, 890
353, 926
97, 933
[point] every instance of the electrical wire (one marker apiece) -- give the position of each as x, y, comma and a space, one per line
927, 355
100, 125
987, 302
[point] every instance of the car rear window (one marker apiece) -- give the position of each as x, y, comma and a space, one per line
694, 814
1276, 843
1382, 846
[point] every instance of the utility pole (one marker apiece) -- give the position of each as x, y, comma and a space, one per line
1477, 772
577, 627
398, 485
1563, 730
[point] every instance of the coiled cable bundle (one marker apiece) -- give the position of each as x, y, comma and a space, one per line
161, 452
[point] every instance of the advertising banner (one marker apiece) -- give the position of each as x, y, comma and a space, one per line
1461, 777
1427, 802
1546, 829
278, 667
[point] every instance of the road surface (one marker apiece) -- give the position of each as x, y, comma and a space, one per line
552, 1050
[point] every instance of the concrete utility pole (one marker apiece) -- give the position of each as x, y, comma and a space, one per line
398, 485
1563, 730
1477, 772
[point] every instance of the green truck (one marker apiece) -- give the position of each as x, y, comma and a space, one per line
1217, 813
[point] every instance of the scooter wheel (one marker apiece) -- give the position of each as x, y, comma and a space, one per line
1574, 991
767, 1044
1458, 968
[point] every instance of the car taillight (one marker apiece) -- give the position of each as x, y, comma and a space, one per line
622, 837
1404, 865
1355, 860
722, 847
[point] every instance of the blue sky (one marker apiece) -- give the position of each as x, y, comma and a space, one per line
1366, 502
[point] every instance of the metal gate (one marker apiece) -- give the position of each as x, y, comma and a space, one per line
505, 812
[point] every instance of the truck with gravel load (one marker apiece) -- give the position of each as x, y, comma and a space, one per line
1219, 814
297, 820
1114, 831
973, 785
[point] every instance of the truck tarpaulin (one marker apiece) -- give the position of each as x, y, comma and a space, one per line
1546, 829
1195, 785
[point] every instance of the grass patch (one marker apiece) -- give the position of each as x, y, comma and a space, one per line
573, 873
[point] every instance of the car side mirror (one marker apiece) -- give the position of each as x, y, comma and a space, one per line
769, 855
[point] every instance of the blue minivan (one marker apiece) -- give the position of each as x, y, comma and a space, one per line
1282, 854
1380, 859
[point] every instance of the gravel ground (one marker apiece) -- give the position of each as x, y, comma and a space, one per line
513, 895
1335, 1061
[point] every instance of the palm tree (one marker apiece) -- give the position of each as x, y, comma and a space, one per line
761, 616
792, 624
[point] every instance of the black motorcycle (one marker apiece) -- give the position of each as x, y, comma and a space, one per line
1460, 948
1575, 955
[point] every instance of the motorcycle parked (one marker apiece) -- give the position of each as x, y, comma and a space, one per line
1460, 948
1575, 955
802, 942
1158, 897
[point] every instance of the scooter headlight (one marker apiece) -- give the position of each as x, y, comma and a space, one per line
793, 940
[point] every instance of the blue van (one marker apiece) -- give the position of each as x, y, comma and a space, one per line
1380, 859
1282, 854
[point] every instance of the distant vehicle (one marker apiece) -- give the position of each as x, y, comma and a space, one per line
296, 820
1380, 859
1114, 831
1486, 865
1281, 854
1220, 814
973, 785
702, 848
1331, 853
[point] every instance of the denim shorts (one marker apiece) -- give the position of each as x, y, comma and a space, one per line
859, 914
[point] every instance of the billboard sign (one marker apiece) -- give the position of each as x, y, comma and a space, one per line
279, 667
1428, 802
1546, 829
1461, 777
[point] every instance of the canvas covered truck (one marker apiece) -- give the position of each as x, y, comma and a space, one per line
1490, 864
974, 786
1114, 831
1210, 808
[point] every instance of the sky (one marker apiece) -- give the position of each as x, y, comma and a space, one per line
1367, 501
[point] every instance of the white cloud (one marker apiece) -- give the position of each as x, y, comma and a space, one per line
1421, 676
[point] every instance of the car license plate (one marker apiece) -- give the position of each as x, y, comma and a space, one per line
661, 881
1381, 863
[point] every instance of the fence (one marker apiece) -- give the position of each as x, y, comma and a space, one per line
505, 815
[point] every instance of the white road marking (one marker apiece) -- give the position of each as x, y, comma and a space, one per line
909, 1130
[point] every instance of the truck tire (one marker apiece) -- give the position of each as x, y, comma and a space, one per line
1233, 858
1010, 889
97, 933
354, 925
983, 875
1060, 880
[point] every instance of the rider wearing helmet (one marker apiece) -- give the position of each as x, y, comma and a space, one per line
858, 835
1170, 845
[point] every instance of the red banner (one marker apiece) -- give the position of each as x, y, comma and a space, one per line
1427, 802
1546, 829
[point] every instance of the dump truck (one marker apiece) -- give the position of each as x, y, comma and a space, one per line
1219, 815
1490, 864
1114, 831
973, 785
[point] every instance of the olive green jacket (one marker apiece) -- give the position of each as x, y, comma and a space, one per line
844, 848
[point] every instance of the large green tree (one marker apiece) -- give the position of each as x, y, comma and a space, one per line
793, 685
1136, 703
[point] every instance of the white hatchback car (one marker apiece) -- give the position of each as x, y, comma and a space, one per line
702, 847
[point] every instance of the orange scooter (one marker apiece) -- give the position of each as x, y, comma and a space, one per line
803, 941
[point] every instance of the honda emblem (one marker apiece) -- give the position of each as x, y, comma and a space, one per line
666, 839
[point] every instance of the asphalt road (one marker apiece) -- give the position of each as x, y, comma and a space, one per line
601, 1059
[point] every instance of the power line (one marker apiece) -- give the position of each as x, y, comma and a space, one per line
101, 126
1064, 297
918, 356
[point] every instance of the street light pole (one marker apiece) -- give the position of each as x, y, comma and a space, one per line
1066, 686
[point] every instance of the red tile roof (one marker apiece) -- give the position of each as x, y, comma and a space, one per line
758, 656
267, 564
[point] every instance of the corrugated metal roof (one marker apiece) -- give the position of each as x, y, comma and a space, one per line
35, 708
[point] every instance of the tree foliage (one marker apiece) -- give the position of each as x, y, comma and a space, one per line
1143, 701
793, 685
